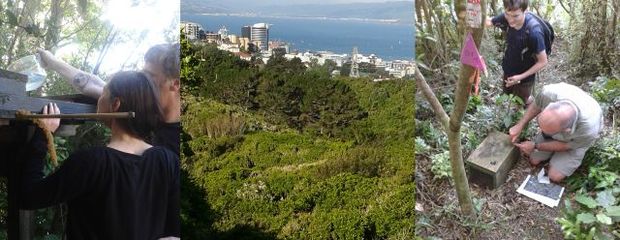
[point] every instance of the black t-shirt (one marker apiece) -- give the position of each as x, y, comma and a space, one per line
521, 48
169, 136
110, 194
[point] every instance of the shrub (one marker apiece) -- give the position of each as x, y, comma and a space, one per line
364, 161
441, 165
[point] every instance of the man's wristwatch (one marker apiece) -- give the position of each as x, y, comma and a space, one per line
535, 146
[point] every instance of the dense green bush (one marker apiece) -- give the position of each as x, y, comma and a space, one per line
315, 158
597, 212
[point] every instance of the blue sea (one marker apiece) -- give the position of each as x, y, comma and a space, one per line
390, 41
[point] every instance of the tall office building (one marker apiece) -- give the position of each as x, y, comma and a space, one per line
260, 35
246, 32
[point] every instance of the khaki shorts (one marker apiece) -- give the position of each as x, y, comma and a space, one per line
564, 162
522, 90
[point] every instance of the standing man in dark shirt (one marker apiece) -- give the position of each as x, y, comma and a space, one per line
525, 48
162, 62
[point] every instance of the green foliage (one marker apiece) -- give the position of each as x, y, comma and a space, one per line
362, 160
602, 166
474, 102
284, 90
505, 111
307, 100
441, 165
189, 64
593, 38
421, 147
315, 157
433, 135
606, 90
220, 75
596, 220
596, 216
498, 115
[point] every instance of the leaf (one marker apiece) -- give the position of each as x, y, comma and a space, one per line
605, 198
12, 19
507, 120
429, 38
586, 200
604, 219
479, 203
424, 66
586, 218
613, 211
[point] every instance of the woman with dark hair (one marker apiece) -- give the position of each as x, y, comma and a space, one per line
125, 190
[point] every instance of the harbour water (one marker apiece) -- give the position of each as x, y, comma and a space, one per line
390, 41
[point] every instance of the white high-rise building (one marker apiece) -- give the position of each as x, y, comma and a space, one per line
260, 35
191, 29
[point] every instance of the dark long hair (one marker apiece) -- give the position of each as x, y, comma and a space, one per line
136, 93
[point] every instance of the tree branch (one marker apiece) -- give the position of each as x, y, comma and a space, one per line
565, 9
440, 113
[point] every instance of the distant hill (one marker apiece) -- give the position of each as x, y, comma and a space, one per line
400, 10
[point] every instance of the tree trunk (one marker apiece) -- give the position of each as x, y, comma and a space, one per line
53, 27
460, 8
452, 124
440, 113
418, 12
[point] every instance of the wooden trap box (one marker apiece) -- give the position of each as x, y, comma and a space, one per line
490, 163
13, 97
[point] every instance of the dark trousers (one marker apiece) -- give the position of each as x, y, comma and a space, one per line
522, 90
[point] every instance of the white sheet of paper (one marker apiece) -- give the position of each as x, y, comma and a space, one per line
540, 198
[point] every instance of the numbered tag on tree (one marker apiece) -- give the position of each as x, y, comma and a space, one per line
474, 14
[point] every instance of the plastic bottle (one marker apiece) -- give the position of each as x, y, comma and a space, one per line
30, 66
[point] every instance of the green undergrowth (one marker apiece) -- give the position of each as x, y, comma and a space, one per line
312, 158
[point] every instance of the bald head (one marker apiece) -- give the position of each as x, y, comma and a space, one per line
556, 117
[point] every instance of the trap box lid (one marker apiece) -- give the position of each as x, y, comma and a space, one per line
13, 97
493, 153
13, 83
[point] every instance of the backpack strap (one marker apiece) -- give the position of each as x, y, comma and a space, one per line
547, 32
534, 22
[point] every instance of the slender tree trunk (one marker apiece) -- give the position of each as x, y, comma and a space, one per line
427, 15
441, 43
53, 28
418, 12
452, 124
493, 7
614, 33
604, 47
460, 7
570, 12
440, 113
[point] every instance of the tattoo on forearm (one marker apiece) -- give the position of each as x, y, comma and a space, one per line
81, 80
